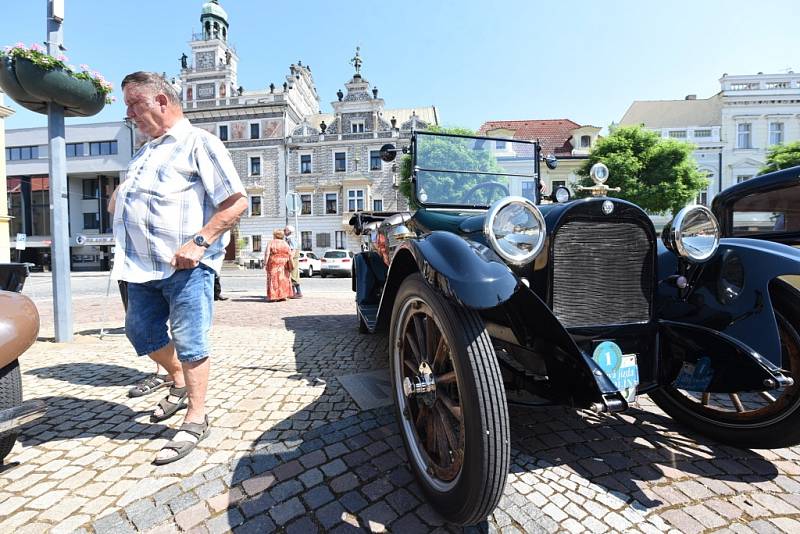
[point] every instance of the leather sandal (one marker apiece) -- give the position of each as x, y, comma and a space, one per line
149, 385
182, 448
168, 407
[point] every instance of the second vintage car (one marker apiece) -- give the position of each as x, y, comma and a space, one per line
491, 297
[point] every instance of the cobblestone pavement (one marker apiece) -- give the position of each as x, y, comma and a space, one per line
291, 451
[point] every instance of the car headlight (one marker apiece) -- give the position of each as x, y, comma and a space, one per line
515, 229
693, 234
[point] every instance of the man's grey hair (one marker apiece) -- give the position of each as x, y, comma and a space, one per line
154, 82
289, 229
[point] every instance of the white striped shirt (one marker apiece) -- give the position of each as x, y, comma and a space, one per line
173, 187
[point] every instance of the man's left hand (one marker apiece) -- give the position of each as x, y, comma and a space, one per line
188, 256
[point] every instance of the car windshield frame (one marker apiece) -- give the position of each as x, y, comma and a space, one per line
417, 168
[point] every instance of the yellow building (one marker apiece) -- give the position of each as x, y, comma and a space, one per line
5, 252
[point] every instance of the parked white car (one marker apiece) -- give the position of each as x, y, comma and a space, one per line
337, 262
309, 264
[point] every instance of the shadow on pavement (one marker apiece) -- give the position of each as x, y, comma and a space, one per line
620, 451
329, 465
91, 374
318, 470
71, 417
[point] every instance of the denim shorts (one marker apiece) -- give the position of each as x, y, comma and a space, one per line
186, 300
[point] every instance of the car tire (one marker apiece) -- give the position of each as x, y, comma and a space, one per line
777, 423
10, 396
323, 274
310, 271
461, 463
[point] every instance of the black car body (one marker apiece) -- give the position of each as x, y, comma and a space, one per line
576, 303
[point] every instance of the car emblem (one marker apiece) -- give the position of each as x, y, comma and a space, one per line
608, 207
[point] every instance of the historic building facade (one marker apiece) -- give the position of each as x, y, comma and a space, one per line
281, 143
335, 165
732, 130
758, 112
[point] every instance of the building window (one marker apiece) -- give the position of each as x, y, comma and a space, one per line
777, 85
305, 163
499, 145
255, 206
305, 204
586, 141
324, 240
357, 127
775, 133
702, 198
22, 152
557, 184
40, 206
103, 148
355, 200
529, 190
256, 239
331, 203
91, 221
255, 166
74, 150
91, 189
254, 131
743, 139
743, 178
305, 240
339, 239
677, 134
223, 132
377, 204
375, 162
702, 133
340, 162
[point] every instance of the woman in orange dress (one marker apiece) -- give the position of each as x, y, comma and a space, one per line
278, 266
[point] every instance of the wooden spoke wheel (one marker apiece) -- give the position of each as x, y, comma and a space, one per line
450, 402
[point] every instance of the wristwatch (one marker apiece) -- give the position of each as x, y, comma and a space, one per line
200, 241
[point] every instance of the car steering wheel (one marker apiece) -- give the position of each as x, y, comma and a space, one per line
484, 185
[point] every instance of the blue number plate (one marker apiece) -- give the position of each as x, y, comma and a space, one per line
620, 368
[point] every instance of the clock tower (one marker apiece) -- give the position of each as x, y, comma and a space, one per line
209, 78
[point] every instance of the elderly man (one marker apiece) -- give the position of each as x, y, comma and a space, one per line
288, 233
181, 195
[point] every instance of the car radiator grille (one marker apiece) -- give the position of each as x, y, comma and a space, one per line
602, 273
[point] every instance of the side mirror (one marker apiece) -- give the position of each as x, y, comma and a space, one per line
551, 161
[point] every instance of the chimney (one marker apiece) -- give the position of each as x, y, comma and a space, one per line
690, 97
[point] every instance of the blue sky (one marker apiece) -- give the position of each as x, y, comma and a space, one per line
474, 60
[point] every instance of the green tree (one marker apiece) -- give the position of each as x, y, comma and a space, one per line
782, 157
449, 153
658, 174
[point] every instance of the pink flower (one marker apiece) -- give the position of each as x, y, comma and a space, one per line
62, 57
19, 45
84, 67
36, 47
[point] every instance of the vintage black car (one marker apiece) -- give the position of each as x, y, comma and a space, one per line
492, 296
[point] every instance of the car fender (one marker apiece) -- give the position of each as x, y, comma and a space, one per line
460, 269
730, 293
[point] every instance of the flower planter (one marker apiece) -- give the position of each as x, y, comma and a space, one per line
33, 87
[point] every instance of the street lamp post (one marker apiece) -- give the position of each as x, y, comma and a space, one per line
59, 210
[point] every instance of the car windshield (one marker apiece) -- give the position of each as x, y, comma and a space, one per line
336, 254
472, 171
